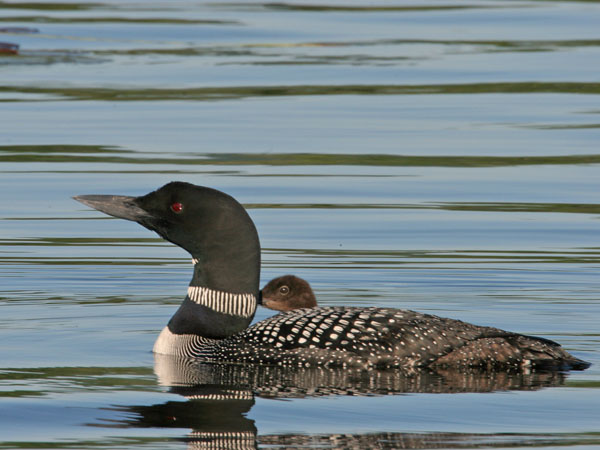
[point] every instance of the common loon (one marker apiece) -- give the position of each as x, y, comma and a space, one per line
212, 322
286, 293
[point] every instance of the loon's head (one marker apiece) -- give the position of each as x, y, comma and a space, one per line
211, 225
286, 293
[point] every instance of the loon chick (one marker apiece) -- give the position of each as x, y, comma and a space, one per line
286, 293
212, 322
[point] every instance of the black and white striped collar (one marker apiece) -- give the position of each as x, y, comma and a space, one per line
243, 305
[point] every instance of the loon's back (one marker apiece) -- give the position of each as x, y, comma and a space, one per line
384, 337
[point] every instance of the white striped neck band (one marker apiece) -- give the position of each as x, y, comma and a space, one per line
242, 305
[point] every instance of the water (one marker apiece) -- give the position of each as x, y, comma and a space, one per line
436, 156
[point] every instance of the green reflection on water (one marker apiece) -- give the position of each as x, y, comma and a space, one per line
334, 258
365, 258
216, 93
172, 21
108, 442
88, 242
76, 149
282, 49
582, 208
101, 154
51, 6
67, 378
563, 126
523, 207
353, 8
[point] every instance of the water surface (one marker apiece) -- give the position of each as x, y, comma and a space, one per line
437, 156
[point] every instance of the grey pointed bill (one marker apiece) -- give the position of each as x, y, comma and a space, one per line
121, 206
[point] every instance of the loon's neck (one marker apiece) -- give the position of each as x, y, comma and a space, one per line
204, 315
213, 314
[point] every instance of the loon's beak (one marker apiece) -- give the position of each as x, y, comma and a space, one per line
120, 206
259, 299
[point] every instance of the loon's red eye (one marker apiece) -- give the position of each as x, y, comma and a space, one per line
176, 207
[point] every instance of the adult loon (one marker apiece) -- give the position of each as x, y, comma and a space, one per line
286, 293
212, 322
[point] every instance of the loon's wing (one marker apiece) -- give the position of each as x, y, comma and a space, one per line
386, 337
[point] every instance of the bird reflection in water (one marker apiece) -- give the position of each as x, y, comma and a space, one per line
218, 399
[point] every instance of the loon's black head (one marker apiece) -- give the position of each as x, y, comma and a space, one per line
286, 293
211, 225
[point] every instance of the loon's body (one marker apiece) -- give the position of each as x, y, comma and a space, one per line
212, 322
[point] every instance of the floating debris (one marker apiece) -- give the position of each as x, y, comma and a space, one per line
18, 30
8, 48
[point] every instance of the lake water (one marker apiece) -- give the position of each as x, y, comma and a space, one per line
441, 156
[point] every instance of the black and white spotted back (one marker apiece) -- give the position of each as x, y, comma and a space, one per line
346, 337
381, 338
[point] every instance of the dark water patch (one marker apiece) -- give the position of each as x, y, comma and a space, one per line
48, 218
108, 442
257, 50
48, 57
583, 126
18, 30
167, 171
579, 208
352, 8
341, 256
588, 384
101, 154
187, 51
96, 241
127, 20
32, 298
367, 258
329, 60
500, 44
81, 377
21, 393
565, 1
523, 207
238, 173
76, 149
236, 92
52, 6
98, 261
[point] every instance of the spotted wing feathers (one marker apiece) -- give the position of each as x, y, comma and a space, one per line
383, 338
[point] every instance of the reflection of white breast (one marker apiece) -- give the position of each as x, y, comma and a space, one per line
169, 343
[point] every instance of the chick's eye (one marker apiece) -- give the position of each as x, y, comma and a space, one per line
284, 289
176, 207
